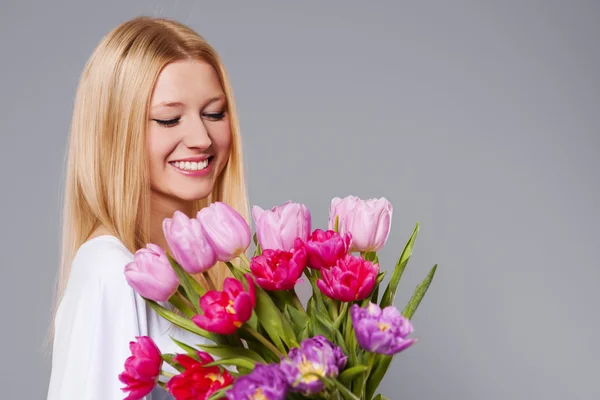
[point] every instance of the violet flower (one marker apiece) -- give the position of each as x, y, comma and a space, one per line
381, 331
316, 355
265, 382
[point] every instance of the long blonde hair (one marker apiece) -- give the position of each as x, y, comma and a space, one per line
106, 182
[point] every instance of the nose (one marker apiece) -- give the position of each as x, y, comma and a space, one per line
196, 135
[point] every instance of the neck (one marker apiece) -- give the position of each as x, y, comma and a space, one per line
161, 208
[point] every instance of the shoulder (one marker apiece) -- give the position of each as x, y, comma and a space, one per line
101, 259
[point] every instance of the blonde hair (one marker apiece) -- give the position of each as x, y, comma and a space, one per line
106, 182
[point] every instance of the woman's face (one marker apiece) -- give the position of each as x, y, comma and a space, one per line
189, 135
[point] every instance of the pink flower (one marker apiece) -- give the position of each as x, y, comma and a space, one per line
369, 221
142, 368
188, 243
277, 269
151, 275
278, 228
324, 248
226, 311
352, 278
226, 230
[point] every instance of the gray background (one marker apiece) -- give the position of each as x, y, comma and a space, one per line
478, 119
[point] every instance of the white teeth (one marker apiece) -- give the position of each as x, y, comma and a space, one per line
191, 165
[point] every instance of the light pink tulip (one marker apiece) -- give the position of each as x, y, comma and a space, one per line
188, 243
278, 228
227, 231
151, 274
368, 221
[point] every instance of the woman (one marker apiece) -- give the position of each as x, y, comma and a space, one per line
154, 130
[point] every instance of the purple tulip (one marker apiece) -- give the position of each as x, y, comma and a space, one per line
265, 382
226, 230
151, 275
381, 331
278, 228
368, 221
316, 355
188, 243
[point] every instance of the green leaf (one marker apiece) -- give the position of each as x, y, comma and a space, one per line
188, 349
297, 317
237, 361
347, 375
418, 295
222, 351
192, 288
380, 367
380, 397
336, 224
170, 359
273, 321
390, 292
178, 320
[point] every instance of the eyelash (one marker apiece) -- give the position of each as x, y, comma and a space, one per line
172, 122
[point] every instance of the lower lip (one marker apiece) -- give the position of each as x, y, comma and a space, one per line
189, 172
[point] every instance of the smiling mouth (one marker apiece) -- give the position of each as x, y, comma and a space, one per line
191, 165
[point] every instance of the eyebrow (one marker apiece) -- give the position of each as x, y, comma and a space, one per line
180, 104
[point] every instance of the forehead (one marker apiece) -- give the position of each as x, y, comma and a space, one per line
189, 81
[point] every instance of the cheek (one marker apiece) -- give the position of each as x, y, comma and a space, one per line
222, 140
159, 147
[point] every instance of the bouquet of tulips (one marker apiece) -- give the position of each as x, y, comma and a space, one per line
263, 343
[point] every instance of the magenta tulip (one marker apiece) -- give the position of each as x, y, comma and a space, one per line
188, 243
369, 221
325, 248
225, 311
277, 269
142, 368
226, 230
278, 228
151, 275
352, 278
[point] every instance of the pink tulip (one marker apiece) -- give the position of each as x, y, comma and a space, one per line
142, 368
151, 275
227, 231
278, 228
369, 221
188, 243
325, 248
352, 278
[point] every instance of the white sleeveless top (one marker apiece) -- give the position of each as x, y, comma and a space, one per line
97, 318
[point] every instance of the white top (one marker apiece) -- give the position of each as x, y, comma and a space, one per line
97, 318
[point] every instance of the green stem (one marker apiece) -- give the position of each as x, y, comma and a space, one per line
244, 258
263, 340
167, 374
366, 375
211, 284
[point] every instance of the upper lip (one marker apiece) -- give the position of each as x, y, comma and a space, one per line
193, 158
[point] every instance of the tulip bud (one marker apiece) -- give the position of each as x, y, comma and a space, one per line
278, 228
226, 230
151, 275
368, 221
188, 243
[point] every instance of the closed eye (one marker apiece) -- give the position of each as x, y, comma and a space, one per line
168, 123
215, 116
